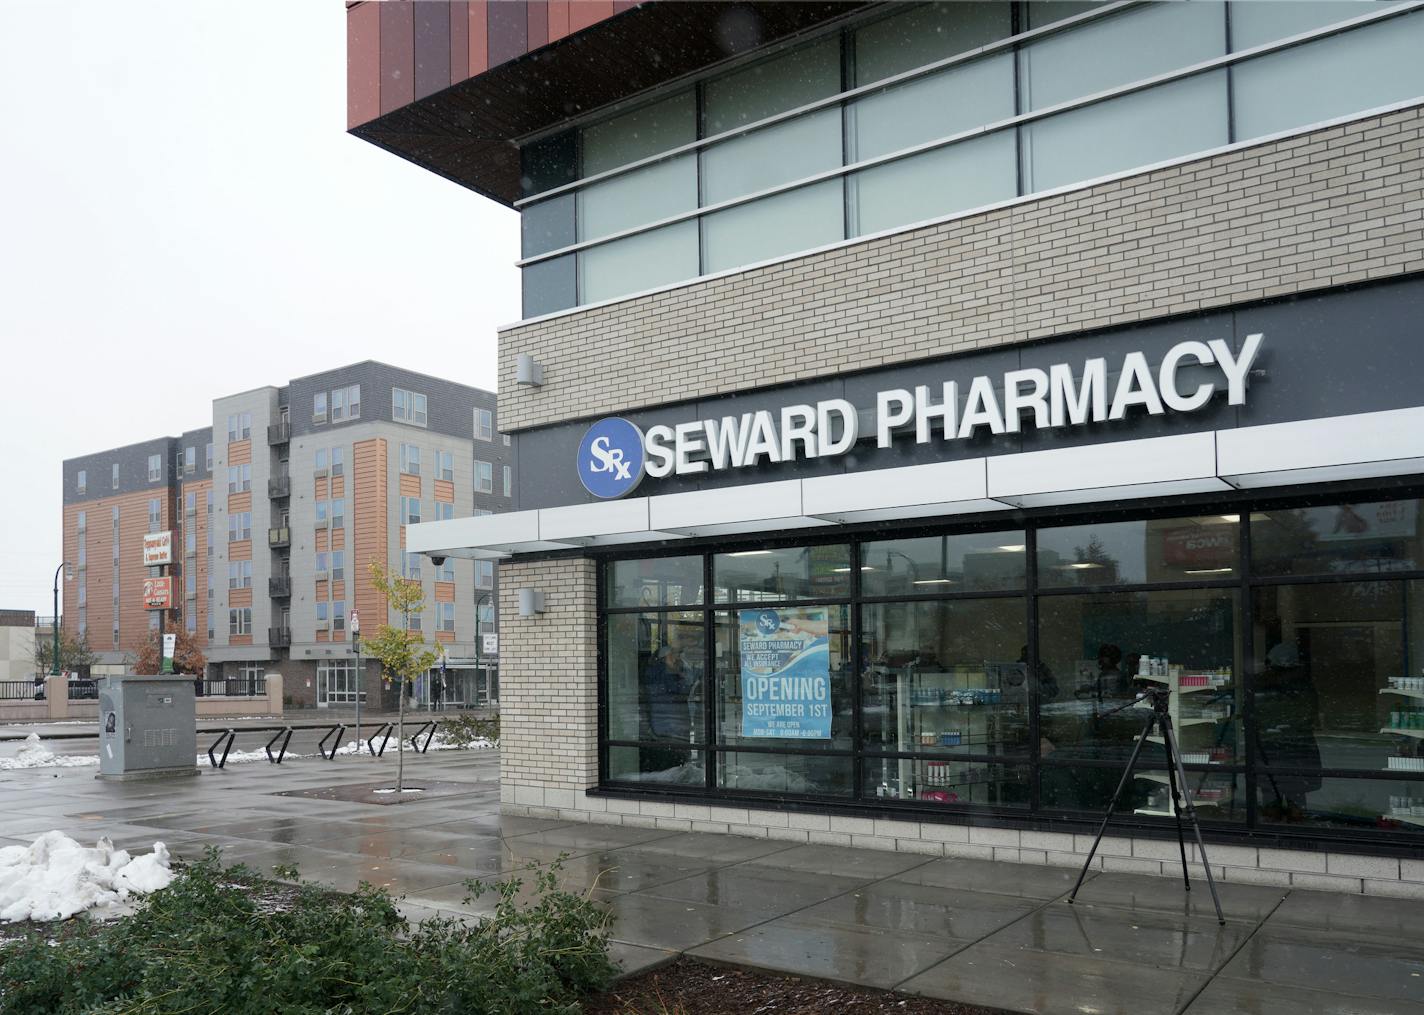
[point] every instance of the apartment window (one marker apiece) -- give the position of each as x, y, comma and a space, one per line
445, 465
239, 526
190, 621
319, 407
411, 562
443, 511
83, 595
239, 621
338, 461
115, 475
83, 522
484, 477
190, 502
239, 478
484, 424
485, 611
322, 512
190, 584
338, 405
408, 406
239, 574
322, 458
83, 557
239, 426
508, 481
322, 559
481, 512
83, 480
190, 542
445, 617
446, 571
323, 615
338, 565
410, 459
190, 461
505, 438
155, 468
338, 616
346, 403
413, 622
484, 574
155, 514
410, 510
338, 513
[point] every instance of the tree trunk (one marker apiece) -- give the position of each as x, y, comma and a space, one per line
400, 742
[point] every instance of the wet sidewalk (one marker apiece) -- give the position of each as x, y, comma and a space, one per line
994, 934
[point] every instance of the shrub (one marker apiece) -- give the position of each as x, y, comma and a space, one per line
464, 728
221, 939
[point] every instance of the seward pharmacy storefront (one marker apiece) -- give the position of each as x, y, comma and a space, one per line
902, 607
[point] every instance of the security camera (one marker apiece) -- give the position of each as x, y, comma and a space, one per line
437, 559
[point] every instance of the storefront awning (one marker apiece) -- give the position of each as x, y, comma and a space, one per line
1363, 446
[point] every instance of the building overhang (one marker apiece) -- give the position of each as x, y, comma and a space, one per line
1339, 448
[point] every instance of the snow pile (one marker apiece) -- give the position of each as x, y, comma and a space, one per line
35, 755
54, 877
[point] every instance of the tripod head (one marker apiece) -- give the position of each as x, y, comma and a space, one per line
1157, 698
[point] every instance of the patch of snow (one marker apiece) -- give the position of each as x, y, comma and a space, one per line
33, 754
55, 877
412, 790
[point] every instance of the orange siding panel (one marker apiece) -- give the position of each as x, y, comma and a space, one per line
240, 550
338, 538
239, 597
409, 485
445, 491
323, 590
322, 488
444, 592
323, 541
370, 521
239, 453
445, 636
338, 590
338, 486
239, 501
239, 639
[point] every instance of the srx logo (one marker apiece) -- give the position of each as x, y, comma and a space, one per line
610, 458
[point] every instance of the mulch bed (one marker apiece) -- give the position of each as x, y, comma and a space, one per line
365, 792
687, 987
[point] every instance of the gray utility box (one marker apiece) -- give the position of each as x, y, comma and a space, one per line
147, 727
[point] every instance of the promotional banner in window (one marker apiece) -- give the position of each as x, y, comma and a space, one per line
786, 679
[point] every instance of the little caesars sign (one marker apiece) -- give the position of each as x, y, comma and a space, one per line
614, 454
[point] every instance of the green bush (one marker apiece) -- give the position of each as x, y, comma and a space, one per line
220, 939
464, 728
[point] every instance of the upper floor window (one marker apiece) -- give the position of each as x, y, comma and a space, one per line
408, 406
82, 481
346, 403
338, 565
484, 424
338, 512
239, 478
239, 574
155, 468
445, 468
338, 461
322, 457
208, 457
484, 477
410, 565
155, 514
443, 511
505, 438
115, 475
190, 502
410, 459
410, 510
239, 526
83, 522
508, 481
190, 461
239, 621
444, 616
319, 407
239, 426
484, 574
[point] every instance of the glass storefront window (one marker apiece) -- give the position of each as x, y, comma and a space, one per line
772, 86
657, 127
926, 33
668, 766
970, 562
970, 174
1322, 655
947, 781
1365, 805
947, 676
655, 581
798, 774
800, 628
655, 676
798, 572
1099, 649
1217, 796
1198, 548
1360, 538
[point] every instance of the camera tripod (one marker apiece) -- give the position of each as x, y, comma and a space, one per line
1161, 718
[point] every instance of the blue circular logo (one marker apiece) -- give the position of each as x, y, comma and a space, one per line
768, 623
610, 458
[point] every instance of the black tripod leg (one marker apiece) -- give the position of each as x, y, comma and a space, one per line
1126, 776
1177, 807
1176, 759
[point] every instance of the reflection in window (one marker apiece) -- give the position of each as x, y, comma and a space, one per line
1360, 538
798, 572
945, 676
798, 775
1217, 796
655, 581
1393, 805
928, 564
947, 781
655, 677
666, 765
772, 86
634, 263
967, 175
925, 33
771, 156
799, 219
1201, 548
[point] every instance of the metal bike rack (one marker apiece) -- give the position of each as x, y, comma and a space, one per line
384, 732
226, 739
429, 736
335, 731
285, 735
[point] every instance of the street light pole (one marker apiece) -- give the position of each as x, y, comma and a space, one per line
54, 659
356, 640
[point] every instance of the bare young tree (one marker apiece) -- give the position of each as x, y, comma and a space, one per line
402, 652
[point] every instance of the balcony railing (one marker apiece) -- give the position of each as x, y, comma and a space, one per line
279, 537
235, 687
279, 586
21, 690
279, 486
279, 636
279, 433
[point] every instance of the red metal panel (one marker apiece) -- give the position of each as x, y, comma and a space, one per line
363, 64
588, 12
538, 24
459, 41
558, 19
508, 30
619, 6
397, 55
479, 36
432, 47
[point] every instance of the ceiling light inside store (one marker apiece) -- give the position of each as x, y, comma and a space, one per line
1230, 518
1208, 570
933, 581
1018, 548
1083, 566
751, 553
846, 570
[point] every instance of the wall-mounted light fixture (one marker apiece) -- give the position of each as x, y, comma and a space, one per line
531, 602
527, 371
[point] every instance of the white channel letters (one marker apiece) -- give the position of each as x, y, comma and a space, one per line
1056, 397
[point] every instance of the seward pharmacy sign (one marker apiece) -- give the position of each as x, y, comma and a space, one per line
615, 454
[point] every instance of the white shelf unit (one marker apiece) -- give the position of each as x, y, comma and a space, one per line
1181, 723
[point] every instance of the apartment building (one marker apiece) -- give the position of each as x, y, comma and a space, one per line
278, 510
962, 372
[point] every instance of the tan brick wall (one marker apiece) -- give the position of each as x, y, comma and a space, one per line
548, 683
1338, 205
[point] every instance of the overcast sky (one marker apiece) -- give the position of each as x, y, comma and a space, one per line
182, 216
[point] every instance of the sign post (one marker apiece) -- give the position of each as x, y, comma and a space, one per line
170, 642
158, 592
356, 641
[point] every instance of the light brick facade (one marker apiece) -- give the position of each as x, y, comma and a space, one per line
1335, 206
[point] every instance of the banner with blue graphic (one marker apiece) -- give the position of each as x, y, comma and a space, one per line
786, 673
